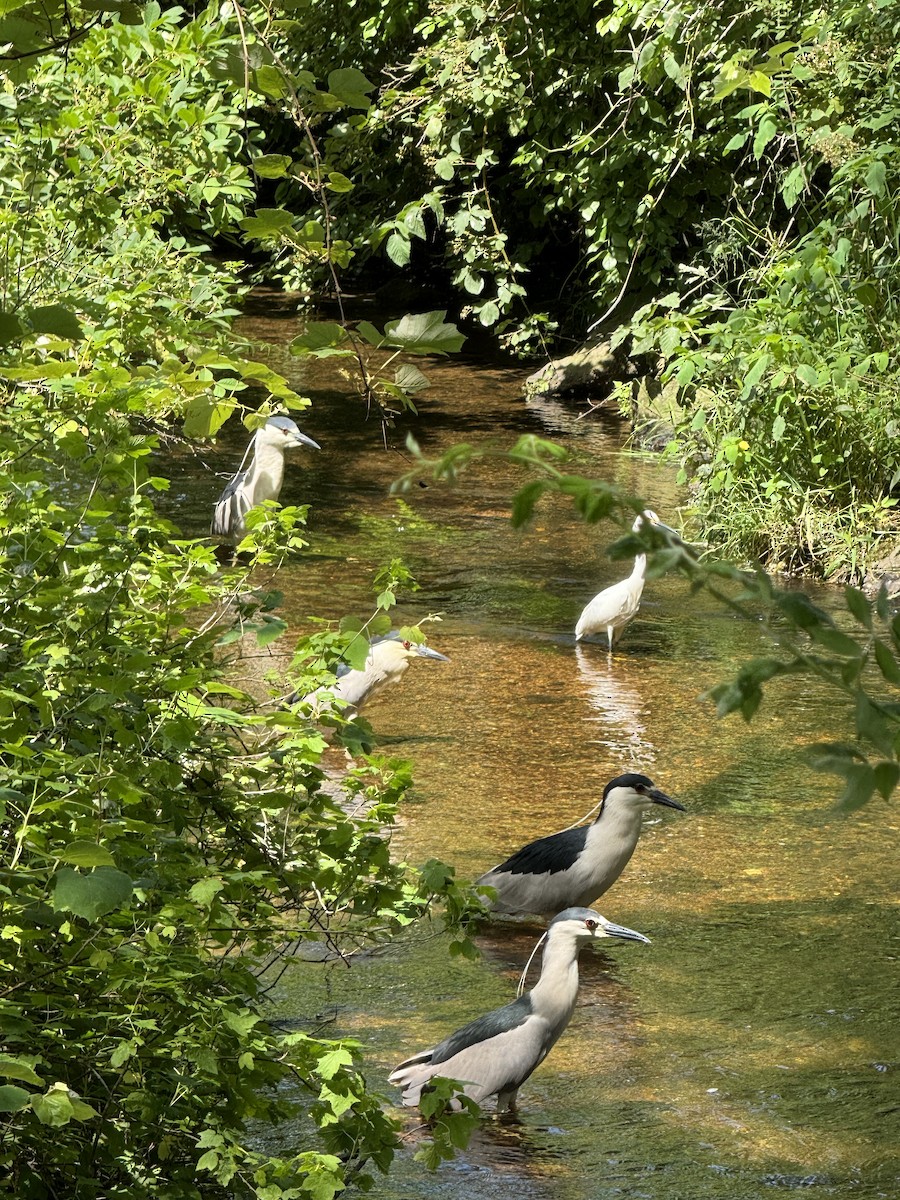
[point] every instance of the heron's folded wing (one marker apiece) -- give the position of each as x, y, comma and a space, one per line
482, 1029
546, 856
231, 507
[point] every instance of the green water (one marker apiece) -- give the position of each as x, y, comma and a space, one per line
752, 1048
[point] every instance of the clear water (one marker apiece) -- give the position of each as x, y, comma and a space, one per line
752, 1050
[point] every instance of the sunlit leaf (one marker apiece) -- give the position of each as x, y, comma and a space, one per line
424, 333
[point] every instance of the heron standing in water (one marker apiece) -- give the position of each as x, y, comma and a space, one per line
495, 1054
387, 662
611, 610
581, 863
261, 480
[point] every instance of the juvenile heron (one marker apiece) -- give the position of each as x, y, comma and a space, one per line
261, 480
611, 610
580, 864
387, 662
495, 1054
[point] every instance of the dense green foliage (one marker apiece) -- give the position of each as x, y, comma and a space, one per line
168, 841
711, 183
720, 179
165, 839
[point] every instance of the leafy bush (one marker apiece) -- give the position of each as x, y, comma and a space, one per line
165, 840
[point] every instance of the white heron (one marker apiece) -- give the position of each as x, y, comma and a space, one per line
611, 610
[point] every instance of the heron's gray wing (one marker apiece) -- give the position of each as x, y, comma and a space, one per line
546, 856
231, 507
482, 1029
494, 1053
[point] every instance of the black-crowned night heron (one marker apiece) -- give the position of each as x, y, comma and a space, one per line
495, 1054
611, 610
387, 662
261, 480
580, 864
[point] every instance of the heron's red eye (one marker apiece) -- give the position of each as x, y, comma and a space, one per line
592, 925
407, 645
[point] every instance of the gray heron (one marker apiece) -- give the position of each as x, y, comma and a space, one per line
387, 662
579, 864
261, 480
495, 1054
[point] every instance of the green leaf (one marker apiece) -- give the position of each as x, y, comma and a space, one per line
15, 1068
875, 723
356, 653
339, 183
272, 628
91, 896
764, 134
887, 776
272, 166
369, 333
206, 415
350, 87
329, 1064
87, 854
759, 81
270, 81
859, 606
876, 178
410, 378
835, 641
317, 336
205, 890
858, 790
524, 501
887, 663
267, 222
54, 1108
398, 248
56, 320
13, 1099
424, 333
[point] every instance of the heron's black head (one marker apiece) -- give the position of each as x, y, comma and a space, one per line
637, 789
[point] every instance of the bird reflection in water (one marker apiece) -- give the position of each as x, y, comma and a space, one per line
618, 706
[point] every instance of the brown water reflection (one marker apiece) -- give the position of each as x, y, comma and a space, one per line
752, 1049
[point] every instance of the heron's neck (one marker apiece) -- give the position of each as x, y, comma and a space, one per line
553, 996
266, 473
640, 566
617, 830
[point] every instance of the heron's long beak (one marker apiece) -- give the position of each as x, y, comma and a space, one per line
427, 652
300, 439
659, 797
621, 931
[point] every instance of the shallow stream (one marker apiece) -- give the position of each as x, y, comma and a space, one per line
752, 1049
